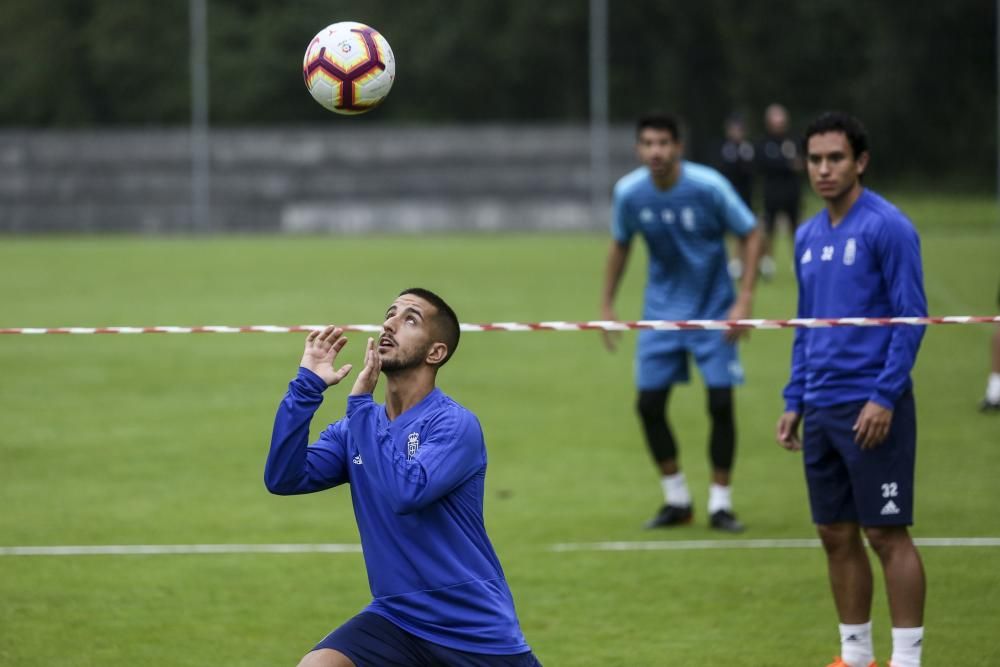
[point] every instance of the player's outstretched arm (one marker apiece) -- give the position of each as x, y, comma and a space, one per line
293, 465
321, 351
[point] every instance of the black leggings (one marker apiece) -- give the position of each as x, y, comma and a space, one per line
652, 407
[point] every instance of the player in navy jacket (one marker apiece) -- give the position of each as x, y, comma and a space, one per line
858, 257
416, 467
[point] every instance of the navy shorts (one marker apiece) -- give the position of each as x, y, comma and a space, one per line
370, 640
872, 487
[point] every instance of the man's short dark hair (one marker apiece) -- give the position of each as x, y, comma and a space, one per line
659, 121
445, 321
838, 121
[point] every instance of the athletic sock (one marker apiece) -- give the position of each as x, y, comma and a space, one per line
993, 388
720, 498
675, 489
906, 646
856, 644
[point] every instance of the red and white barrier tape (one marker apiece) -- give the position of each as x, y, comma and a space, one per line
595, 325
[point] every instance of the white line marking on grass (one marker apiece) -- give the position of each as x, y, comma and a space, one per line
160, 549
703, 545
662, 545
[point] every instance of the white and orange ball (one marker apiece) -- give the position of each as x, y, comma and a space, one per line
349, 68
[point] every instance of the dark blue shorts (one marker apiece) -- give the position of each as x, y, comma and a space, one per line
370, 640
872, 487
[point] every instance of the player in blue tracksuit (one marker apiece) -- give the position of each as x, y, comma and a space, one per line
416, 467
683, 211
859, 257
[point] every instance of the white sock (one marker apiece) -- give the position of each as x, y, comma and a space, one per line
675, 489
856, 644
993, 388
906, 646
720, 498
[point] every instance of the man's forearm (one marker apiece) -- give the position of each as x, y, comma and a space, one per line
750, 247
285, 470
614, 269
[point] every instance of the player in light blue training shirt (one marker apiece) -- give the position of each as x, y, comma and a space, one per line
683, 211
858, 257
417, 468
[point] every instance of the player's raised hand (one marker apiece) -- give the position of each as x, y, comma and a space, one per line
368, 377
872, 425
321, 351
788, 431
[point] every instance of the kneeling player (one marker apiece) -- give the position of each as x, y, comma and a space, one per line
416, 467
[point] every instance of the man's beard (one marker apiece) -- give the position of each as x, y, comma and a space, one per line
404, 363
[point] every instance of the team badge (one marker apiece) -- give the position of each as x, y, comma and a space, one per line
412, 445
850, 250
687, 218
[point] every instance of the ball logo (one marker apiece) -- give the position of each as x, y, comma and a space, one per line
345, 47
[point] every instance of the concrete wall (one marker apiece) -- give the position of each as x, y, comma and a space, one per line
308, 180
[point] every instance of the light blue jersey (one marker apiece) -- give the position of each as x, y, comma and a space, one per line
684, 228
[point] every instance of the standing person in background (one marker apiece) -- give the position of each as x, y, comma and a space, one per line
736, 162
780, 164
417, 468
736, 159
858, 257
991, 401
683, 211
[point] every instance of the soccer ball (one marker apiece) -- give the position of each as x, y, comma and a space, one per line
349, 68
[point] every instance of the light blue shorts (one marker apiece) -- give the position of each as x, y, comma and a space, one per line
662, 359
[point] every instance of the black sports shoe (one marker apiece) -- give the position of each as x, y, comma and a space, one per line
726, 521
671, 515
989, 406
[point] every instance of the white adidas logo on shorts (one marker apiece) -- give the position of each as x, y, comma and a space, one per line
890, 508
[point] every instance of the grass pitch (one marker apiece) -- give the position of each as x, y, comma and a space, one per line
161, 440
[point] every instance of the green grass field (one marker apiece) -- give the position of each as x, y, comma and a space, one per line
123, 440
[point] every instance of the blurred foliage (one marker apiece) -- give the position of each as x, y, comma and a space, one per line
922, 74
